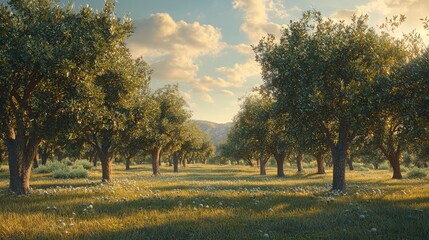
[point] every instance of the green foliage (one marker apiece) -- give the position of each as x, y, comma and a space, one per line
417, 173
63, 170
84, 163
384, 166
51, 167
71, 172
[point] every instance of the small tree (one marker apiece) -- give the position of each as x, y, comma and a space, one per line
169, 115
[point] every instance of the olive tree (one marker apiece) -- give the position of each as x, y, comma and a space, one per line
322, 73
49, 55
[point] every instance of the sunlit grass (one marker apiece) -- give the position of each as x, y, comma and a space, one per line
216, 202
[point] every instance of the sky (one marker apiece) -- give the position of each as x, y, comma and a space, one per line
204, 46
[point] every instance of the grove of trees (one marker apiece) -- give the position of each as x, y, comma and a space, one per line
335, 87
70, 86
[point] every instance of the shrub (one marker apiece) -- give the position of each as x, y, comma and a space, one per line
308, 165
84, 163
51, 167
417, 173
61, 173
384, 166
361, 168
78, 172
369, 166
404, 169
75, 172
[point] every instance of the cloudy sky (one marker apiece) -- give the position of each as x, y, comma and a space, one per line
204, 45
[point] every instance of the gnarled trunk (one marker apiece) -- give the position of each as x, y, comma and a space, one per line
127, 163
176, 158
184, 162
320, 163
21, 153
339, 158
299, 158
36, 161
262, 170
106, 158
350, 161
394, 162
280, 159
155, 161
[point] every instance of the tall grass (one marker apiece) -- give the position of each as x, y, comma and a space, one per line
217, 202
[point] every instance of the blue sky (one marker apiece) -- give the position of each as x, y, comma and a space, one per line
204, 45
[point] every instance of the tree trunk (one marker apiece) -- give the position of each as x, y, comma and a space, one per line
44, 155
350, 161
339, 158
299, 158
280, 159
36, 161
262, 170
394, 162
249, 162
320, 163
176, 158
106, 169
257, 162
127, 163
184, 162
106, 159
159, 159
376, 166
155, 161
21, 153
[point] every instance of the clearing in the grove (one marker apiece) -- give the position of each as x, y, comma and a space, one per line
217, 202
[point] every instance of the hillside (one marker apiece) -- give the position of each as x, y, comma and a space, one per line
217, 131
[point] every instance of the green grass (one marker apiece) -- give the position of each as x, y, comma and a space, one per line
216, 202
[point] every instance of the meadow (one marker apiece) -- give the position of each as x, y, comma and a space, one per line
216, 202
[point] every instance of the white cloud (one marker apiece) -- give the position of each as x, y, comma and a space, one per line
244, 49
207, 98
238, 74
227, 92
378, 10
177, 68
174, 46
214, 82
256, 23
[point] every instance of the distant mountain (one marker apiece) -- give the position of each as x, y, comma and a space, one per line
217, 131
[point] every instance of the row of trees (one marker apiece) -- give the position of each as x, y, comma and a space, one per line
67, 77
339, 88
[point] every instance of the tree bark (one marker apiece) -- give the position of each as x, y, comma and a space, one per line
280, 159
21, 153
262, 170
106, 169
350, 161
44, 154
339, 158
299, 158
155, 161
127, 163
106, 158
184, 162
394, 162
36, 161
176, 158
320, 163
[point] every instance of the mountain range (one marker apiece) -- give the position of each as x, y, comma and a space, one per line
217, 131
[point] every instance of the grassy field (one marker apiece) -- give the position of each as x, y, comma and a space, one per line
216, 202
